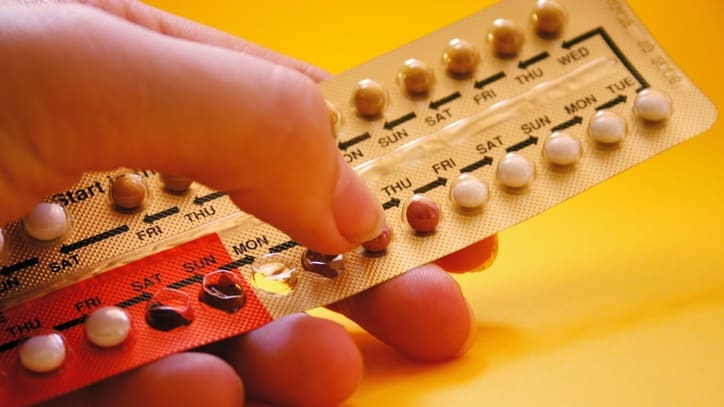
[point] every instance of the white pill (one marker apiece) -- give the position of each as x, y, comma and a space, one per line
607, 127
46, 221
108, 326
469, 192
562, 149
652, 105
43, 353
515, 171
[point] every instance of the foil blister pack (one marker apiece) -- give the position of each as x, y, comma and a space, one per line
461, 134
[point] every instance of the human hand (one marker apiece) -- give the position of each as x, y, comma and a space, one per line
122, 84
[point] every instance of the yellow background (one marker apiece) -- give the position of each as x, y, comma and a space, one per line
613, 298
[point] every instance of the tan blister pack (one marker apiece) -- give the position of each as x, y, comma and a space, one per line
461, 134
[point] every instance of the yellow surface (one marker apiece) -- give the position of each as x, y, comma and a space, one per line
613, 298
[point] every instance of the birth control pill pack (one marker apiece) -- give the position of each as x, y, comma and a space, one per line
461, 134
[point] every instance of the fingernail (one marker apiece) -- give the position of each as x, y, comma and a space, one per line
472, 332
357, 212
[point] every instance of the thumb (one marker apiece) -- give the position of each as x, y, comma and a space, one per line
83, 90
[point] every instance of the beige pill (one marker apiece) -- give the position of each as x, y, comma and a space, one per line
416, 77
43, 353
369, 98
506, 37
607, 127
128, 191
652, 105
549, 18
515, 171
562, 149
460, 57
335, 117
176, 183
47, 221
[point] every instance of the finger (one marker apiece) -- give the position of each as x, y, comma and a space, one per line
476, 257
185, 379
297, 360
422, 314
179, 27
83, 90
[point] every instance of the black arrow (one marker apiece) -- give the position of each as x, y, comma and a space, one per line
477, 164
200, 200
490, 79
616, 50
570, 123
434, 104
158, 216
70, 324
523, 144
391, 204
65, 249
8, 270
196, 278
613, 102
9, 345
431, 185
532, 60
344, 145
284, 246
391, 125
135, 300
238, 263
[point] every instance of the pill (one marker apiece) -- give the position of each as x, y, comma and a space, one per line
460, 57
223, 290
506, 37
652, 105
515, 171
562, 149
108, 326
43, 353
325, 265
176, 183
369, 98
335, 117
422, 214
469, 192
128, 192
47, 221
380, 243
548, 17
607, 127
169, 309
271, 273
416, 77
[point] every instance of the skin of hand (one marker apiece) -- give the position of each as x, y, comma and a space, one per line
111, 83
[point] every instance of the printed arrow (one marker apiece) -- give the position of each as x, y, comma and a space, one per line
613, 102
70, 324
238, 263
434, 104
200, 200
391, 204
135, 300
391, 125
9, 345
196, 278
532, 60
477, 164
8, 270
158, 216
440, 181
570, 123
616, 50
284, 246
65, 249
344, 145
523, 144
490, 79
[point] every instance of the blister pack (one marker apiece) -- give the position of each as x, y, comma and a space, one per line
461, 134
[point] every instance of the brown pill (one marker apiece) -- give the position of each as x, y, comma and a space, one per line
380, 243
416, 77
548, 18
325, 265
128, 191
369, 98
460, 57
176, 183
506, 37
423, 214
223, 291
